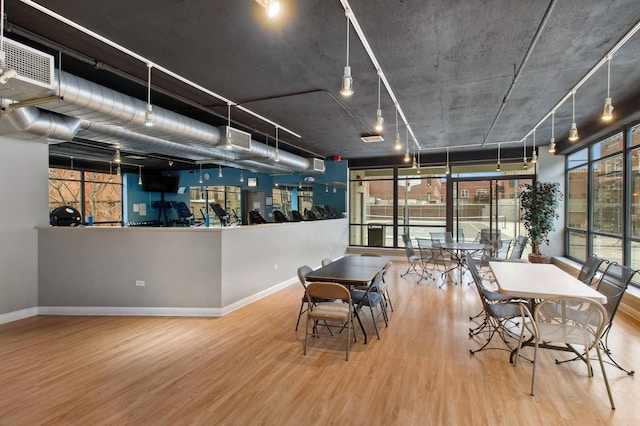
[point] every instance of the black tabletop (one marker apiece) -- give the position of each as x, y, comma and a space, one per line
352, 270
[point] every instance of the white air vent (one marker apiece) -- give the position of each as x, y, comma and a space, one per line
34, 72
235, 139
372, 138
318, 165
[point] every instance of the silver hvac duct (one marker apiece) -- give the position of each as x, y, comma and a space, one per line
39, 123
107, 109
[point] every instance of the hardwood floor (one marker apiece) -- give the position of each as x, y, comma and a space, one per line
248, 368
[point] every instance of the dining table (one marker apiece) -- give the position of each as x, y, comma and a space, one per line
539, 281
457, 250
350, 271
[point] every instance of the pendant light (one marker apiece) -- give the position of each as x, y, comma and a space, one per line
397, 145
326, 188
200, 181
116, 157
148, 115
534, 155
277, 159
524, 154
228, 143
241, 177
498, 164
573, 132
407, 157
552, 145
418, 171
219, 170
379, 127
347, 81
272, 7
607, 112
139, 175
447, 169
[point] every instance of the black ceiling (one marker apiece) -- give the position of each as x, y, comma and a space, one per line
449, 63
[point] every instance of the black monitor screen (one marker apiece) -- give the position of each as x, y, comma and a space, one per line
159, 183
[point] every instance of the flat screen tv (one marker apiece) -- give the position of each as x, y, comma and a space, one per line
159, 183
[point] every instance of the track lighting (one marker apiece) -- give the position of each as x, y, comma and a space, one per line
552, 145
219, 170
573, 132
447, 169
139, 175
397, 145
607, 112
148, 115
498, 164
200, 181
272, 7
379, 120
347, 81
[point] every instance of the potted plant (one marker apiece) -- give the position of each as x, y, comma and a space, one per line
539, 203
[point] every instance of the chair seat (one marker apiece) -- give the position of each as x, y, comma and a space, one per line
361, 298
330, 311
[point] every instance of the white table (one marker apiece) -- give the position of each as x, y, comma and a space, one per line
539, 281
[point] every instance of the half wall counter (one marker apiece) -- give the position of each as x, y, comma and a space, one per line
176, 271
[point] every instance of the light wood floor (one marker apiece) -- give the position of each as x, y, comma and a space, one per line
247, 368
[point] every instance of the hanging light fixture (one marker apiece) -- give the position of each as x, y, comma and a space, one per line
418, 171
379, 127
228, 143
397, 145
139, 175
219, 170
272, 7
277, 159
498, 164
407, 157
116, 157
573, 132
607, 112
347, 81
200, 181
524, 154
447, 169
534, 154
552, 145
326, 188
148, 115
241, 177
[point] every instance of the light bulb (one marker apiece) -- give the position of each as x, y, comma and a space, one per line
397, 144
139, 180
379, 127
498, 167
407, 158
273, 8
447, 169
607, 112
347, 83
534, 157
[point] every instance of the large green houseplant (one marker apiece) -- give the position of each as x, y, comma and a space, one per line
539, 203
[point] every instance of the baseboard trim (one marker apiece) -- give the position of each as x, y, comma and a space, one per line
18, 315
254, 297
129, 311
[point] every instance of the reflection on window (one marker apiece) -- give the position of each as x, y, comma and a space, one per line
607, 196
577, 198
635, 192
578, 245
228, 197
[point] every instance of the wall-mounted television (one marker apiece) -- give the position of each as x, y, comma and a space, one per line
160, 183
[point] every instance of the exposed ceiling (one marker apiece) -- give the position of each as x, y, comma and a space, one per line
449, 63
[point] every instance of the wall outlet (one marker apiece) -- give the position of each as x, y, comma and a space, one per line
140, 283
275, 266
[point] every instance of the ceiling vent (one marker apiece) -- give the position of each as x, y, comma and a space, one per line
372, 138
235, 139
318, 165
31, 71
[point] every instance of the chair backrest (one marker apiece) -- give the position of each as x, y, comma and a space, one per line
438, 236
278, 216
302, 271
408, 246
589, 269
327, 290
296, 216
425, 243
436, 242
326, 261
613, 284
487, 235
518, 248
255, 218
573, 320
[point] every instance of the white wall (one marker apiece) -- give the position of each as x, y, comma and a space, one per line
24, 205
551, 168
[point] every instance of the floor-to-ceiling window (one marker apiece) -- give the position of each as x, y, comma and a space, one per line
603, 206
201, 199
